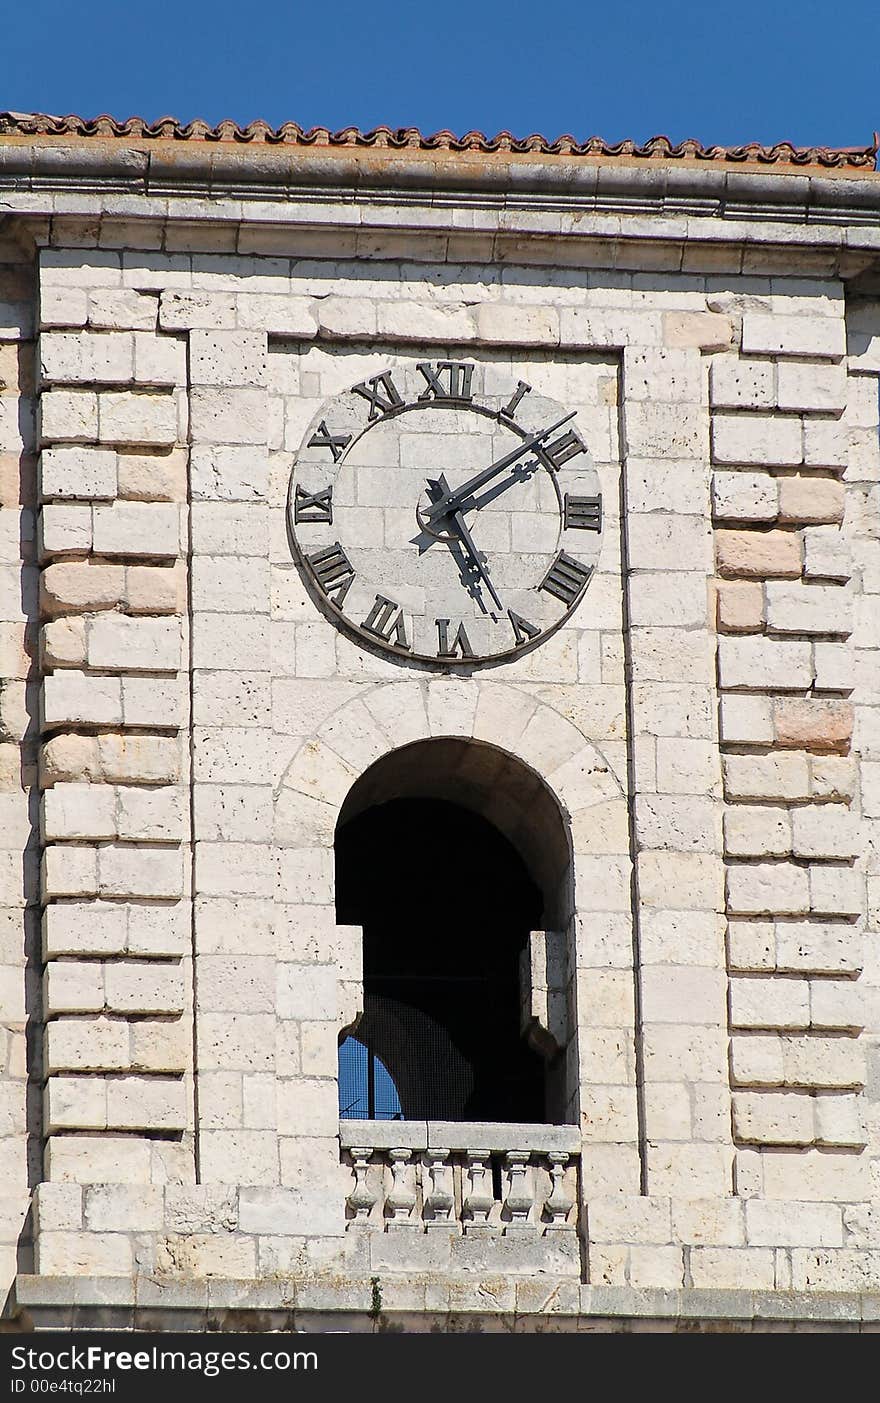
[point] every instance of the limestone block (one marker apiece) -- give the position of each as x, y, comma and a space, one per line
63, 306
227, 357
64, 531
73, 986
74, 698
705, 331
808, 336
71, 587
751, 831
756, 439
678, 598
244, 648
663, 541
781, 1224
740, 606
746, 720
179, 311
234, 869
134, 644
127, 417
96, 1159
832, 777
78, 811
797, 609
78, 472
733, 1268
161, 1045
58, 1207
752, 662
761, 554
837, 1004
150, 701
227, 473
683, 823
137, 759
769, 1003
159, 930
686, 765
86, 357
146, 1103
230, 584
279, 315
307, 991
84, 928
423, 321
827, 555
839, 1122
694, 1171
69, 870
144, 986
140, 872
152, 477
244, 984
694, 879
196, 1257
823, 1062
87, 1254
819, 388
835, 667
69, 416
120, 309
827, 444
773, 1118
123, 1208
821, 949
228, 416
810, 499
751, 946
137, 528
655, 429
738, 383
757, 1061
91, 1045
154, 589
150, 815
236, 813
824, 831
815, 1177
836, 891
766, 888
69, 757
672, 995
744, 496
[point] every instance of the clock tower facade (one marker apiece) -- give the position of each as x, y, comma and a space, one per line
442, 734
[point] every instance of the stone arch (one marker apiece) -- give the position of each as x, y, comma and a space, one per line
593, 923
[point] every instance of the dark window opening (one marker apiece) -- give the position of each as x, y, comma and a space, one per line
446, 905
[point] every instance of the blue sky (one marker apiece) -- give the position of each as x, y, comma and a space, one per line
766, 70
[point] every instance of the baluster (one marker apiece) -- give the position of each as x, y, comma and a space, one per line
520, 1191
440, 1201
362, 1197
480, 1199
559, 1201
401, 1198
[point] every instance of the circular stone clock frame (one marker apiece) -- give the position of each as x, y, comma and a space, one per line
445, 514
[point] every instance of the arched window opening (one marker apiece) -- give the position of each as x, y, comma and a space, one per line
446, 904
366, 1087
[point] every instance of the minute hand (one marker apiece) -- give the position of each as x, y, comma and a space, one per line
473, 484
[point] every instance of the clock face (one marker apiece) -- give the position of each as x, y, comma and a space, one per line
439, 521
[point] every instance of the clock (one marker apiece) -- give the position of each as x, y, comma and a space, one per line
446, 513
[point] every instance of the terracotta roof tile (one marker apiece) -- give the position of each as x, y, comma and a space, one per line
658, 148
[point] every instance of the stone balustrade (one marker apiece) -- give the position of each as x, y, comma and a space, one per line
460, 1177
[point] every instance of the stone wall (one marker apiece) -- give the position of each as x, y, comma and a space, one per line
705, 721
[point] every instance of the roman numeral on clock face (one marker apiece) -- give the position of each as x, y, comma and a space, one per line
381, 392
566, 579
460, 647
313, 506
566, 446
456, 385
386, 621
522, 629
582, 513
334, 572
512, 404
323, 438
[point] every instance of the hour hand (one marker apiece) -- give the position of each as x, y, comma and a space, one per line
438, 489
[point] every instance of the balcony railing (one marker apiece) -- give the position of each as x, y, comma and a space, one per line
461, 1177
